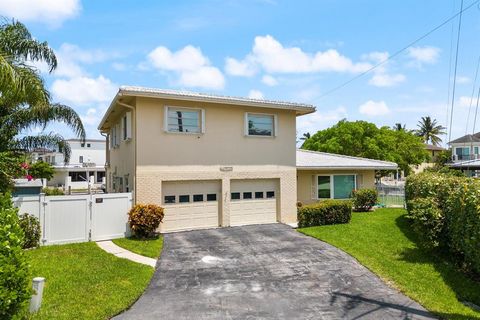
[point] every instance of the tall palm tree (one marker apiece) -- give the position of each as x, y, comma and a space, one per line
25, 102
430, 130
400, 127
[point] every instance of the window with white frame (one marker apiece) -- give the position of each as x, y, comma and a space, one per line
260, 124
338, 186
184, 120
127, 126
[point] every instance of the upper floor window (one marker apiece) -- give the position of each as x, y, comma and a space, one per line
260, 124
184, 120
80, 159
88, 145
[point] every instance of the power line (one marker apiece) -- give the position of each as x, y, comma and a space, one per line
473, 94
399, 51
476, 111
449, 71
455, 71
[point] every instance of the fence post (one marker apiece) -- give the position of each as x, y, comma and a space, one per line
42, 203
36, 300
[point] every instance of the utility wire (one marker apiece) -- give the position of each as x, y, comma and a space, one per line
455, 71
449, 72
476, 111
473, 95
396, 53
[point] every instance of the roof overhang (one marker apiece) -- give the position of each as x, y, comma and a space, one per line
129, 91
348, 168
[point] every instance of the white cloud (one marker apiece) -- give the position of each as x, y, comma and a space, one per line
244, 68
374, 108
273, 57
463, 80
119, 66
83, 90
191, 66
269, 80
425, 54
255, 94
320, 119
91, 118
381, 79
50, 12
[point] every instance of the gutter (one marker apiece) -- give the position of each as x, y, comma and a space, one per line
347, 168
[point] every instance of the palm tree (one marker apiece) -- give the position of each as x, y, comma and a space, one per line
400, 127
305, 136
430, 130
25, 102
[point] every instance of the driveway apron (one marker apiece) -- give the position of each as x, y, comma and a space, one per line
264, 272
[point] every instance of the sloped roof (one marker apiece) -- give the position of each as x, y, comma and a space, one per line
467, 138
433, 147
24, 183
321, 160
466, 164
134, 91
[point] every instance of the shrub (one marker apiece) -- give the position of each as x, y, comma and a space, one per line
144, 219
427, 220
325, 212
364, 199
445, 211
14, 271
53, 192
31, 229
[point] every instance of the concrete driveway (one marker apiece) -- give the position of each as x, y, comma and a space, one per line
264, 272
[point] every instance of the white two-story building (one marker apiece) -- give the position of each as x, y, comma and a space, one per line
86, 164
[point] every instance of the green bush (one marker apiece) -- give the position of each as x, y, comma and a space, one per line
53, 192
427, 220
31, 229
14, 270
325, 212
456, 224
364, 199
144, 219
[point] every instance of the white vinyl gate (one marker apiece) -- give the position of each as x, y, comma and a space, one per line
78, 218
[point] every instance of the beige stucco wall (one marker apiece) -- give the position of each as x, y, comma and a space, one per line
365, 179
149, 187
122, 158
223, 143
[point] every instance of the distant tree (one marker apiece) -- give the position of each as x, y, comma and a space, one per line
430, 130
364, 139
400, 127
41, 170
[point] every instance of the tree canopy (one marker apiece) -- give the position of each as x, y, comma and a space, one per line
365, 139
430, 130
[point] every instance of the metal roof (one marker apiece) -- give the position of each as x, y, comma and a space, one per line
307, 160
465, 164
134, 91
467, 138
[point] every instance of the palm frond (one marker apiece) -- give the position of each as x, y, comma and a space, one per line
48, 141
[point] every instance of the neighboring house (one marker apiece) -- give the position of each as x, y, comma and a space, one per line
433, 153
466, 154
87, 160
323, 175
215, 160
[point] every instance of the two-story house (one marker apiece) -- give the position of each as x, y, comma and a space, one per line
466, 154
220, 161
87, 160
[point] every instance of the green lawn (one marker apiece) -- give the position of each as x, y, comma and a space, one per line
85, 282
148, 248
383, 242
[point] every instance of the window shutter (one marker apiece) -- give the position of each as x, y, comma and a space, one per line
314, 187
110, 138
129, 124
165, 118
246, 124
359, 181
202, 124
275, 125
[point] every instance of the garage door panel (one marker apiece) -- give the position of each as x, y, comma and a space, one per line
190, 215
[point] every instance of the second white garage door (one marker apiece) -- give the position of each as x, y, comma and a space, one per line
253, 201
190, 205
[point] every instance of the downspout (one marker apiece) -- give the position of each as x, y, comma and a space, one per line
106, 160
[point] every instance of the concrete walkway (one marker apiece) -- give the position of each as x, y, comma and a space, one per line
264, 272
120, 252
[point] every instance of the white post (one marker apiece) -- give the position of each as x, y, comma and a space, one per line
68, 182
36, 301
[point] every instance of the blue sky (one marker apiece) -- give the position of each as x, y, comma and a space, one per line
285, 50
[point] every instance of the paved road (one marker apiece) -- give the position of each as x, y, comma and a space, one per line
264, 272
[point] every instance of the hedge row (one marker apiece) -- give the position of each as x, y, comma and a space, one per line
445, 212
325, 212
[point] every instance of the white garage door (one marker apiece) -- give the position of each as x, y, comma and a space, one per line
190, 205
253, 201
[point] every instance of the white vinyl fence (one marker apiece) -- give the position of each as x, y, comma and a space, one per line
78, 218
